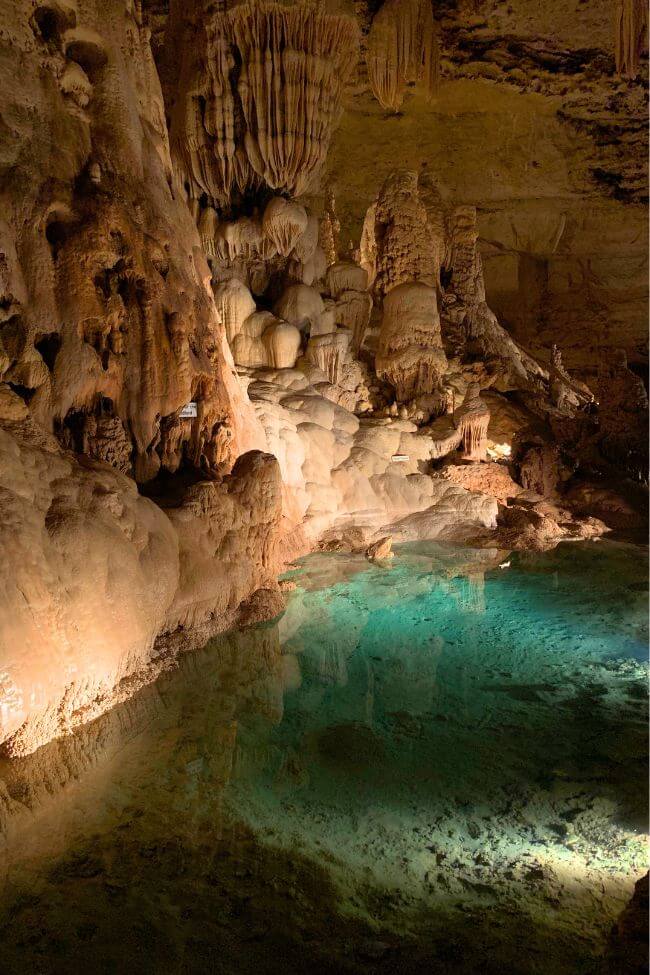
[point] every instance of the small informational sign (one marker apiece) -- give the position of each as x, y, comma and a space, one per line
188, 412
400, 458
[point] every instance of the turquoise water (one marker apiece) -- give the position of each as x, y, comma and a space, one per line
441, 763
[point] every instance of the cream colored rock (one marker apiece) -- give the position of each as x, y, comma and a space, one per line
328, 352
284, 223
307, 244
93, 573
345, 276
235, 304
471, 420
402, 48
103, 267
410, 354
398, 243
282, 342
300, 306
271, 122
381, 550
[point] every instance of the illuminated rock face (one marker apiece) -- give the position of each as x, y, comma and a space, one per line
109, 325
472, 419
93, 573
410, 354
108, 328
257, 94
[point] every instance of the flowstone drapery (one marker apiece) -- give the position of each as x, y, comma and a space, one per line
402, 49
259, 94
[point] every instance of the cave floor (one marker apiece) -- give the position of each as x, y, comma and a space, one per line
437, 765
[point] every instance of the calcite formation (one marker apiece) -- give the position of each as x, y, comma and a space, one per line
410, 354
402, 48
257, 94
397, 245
471, 420
108, 319
93, 573
631, 35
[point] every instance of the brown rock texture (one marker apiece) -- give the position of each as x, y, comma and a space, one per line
108, 324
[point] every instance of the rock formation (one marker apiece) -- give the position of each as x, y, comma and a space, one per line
631, 35
410, 354
471, 420
256, 95
402, 48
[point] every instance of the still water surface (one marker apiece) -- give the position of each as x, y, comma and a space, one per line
438, 764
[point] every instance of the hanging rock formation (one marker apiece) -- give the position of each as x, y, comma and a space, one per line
402, 48
472, 419
630, 35
257, 95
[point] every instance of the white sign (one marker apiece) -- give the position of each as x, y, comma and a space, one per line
400, 458
188, 412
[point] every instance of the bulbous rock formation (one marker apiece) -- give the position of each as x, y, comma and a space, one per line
410, 354
284, 223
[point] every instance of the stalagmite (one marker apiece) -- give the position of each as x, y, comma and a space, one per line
472, 419
300, 305
330, 229
240, 238
306, 245
410, 354
345, 276
208, 224
630, 35
282, 342
248, 349
352, 310
397, 245
402, 49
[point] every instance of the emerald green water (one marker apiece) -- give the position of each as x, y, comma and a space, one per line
439, 765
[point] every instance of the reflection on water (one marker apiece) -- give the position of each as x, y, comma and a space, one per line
426, 764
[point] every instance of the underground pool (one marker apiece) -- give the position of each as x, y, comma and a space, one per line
435, 765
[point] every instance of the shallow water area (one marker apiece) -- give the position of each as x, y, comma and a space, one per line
440, 762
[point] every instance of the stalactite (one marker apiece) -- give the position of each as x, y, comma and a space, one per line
328, 353
283, 224
472, 419
259, 105
630, 36
402, 49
